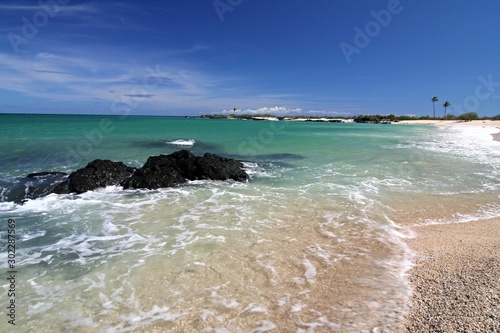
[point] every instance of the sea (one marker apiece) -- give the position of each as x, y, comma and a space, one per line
315, 241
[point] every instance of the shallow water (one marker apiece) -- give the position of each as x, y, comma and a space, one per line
314, 242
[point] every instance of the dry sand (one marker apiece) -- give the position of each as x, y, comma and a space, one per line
488, 123
456, 278
491, 123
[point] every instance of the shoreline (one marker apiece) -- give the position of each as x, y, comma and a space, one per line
278, 253
441, 122
447, 123
456, 278
427, 122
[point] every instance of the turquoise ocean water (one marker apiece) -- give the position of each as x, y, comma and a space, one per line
314, 242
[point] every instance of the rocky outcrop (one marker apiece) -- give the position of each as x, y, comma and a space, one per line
97, 174
159, 171
215, 167
170, 170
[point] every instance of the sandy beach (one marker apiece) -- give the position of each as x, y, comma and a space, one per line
308, 245
486, 123
491, 123
456, 278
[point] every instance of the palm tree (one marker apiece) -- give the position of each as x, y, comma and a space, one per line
446, 104
434, 100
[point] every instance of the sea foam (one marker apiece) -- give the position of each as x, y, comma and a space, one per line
182, 142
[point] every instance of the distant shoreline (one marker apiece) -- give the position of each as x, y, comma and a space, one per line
478, 123
441, 122
325, 119
280, 118
428, 122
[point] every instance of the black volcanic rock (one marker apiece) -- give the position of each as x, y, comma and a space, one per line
215, 167
98, 173
174, 169
159, 171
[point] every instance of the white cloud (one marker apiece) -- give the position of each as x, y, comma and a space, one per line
60, 77
60, 9
63, 75
328, 113
141, 88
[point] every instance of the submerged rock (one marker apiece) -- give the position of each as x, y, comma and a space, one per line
34, 186
45, 174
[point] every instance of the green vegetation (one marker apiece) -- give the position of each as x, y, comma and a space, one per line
375, 118
446, 105
434, 100
469, 116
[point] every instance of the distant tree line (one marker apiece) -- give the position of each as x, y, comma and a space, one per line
379, 118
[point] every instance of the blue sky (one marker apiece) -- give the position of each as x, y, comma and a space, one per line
192, 57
